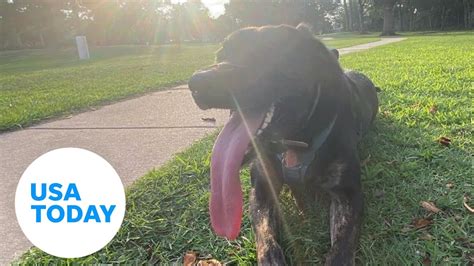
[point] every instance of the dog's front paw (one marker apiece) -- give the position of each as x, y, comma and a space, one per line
335, 261
271, 254
339, 259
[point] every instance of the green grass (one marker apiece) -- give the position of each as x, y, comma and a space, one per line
39, 84
167, 209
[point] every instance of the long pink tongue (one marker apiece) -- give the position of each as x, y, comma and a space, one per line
227, 156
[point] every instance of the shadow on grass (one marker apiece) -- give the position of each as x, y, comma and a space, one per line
167, 210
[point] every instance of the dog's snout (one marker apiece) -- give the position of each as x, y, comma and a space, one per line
199, 81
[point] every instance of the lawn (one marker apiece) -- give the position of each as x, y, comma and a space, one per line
426, 94
40, 84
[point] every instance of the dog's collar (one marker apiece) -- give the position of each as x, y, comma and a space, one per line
315, 103
295, 174
305, 152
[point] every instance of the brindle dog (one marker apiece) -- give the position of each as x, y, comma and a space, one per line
297, 116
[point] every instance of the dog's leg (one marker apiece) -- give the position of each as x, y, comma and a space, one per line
345, 210
265, 213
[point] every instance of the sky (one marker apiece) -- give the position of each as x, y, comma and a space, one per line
216, 7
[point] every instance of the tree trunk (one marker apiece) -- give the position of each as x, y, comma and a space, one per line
388, 18
410, 17
443, 16
400, 14
469, 15
13, 40
41, 37
346, 13
361, 16
350, 15
430, 20
467, 12
19, 40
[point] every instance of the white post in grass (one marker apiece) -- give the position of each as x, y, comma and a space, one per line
82, 47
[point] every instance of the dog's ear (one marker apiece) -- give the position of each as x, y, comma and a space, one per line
305, 29
336, 53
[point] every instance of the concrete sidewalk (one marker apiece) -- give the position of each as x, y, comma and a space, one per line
366, 46
134, 136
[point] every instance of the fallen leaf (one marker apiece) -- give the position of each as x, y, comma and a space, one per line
210, 262
429, 206
379, 193
433, 109
470, 257
465, 201
444, 141
427, 237
449, 185
421, 223
365, 161
457, 217
465, 242
406, 229
426, 261
149, 250
189, 258
208, 119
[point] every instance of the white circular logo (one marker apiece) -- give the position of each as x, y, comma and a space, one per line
70, 202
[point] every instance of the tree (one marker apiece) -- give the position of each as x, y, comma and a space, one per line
347, 14
361, 15
10, 19
351, 20
54, 23
388, 18
317, 13
467, 13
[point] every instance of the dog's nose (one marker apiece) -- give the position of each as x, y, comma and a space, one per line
199, 81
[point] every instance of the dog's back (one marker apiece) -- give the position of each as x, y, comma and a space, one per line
364, 99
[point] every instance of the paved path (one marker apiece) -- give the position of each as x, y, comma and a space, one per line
134, 136
369, 45
171, 120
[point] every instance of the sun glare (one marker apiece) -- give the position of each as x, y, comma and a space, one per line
216, 7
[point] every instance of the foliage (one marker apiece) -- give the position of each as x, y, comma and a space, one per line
54, 23
425, 81
257, 13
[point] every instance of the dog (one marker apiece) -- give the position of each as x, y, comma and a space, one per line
297, 117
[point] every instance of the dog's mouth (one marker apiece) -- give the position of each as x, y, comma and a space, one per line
227, 156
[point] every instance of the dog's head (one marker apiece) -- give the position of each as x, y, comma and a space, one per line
273, 78
273, 71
